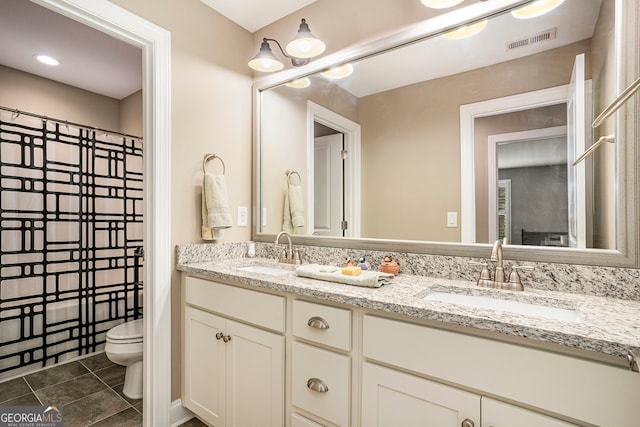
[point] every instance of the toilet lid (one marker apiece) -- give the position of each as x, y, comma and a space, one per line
127, 330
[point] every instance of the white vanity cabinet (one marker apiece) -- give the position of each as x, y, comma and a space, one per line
321, 365
392, 398
573, 388
233, 372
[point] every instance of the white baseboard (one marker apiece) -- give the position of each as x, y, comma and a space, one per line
179, 414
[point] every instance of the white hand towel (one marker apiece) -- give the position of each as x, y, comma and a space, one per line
368, 278
293, 214
215, 206
296, 205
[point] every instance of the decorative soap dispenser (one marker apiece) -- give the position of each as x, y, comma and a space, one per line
390, 266
363, 264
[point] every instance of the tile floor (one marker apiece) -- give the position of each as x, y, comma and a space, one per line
90, 391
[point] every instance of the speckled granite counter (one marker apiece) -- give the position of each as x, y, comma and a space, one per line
606, 325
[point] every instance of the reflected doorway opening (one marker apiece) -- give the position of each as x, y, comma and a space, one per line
333, 147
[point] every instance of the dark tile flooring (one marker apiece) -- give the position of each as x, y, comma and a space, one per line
89, 390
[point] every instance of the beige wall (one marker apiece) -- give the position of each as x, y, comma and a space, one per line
211, 113
411, 142
130, 116
37, 95
284, 138
604, 163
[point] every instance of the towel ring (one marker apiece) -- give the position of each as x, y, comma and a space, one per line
212, 156
290, 172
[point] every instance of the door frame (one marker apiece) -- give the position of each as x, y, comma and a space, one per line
351, 131
492, 165
155, 43
468, 114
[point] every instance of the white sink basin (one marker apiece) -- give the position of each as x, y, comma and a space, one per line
271, 271
517, 307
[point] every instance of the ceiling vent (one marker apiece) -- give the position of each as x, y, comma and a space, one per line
533, 39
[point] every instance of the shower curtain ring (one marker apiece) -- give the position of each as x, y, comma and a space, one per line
15, 114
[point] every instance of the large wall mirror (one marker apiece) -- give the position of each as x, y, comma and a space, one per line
442, 141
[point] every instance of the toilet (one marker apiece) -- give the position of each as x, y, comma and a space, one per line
124, 347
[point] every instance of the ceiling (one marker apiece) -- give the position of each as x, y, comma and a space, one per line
253, 15
437, 57
89, 59
92, 60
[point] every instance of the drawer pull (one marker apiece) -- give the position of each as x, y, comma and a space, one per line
318, 385
467, 423
318, 323
219, 335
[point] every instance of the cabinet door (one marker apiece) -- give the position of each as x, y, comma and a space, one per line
204, 361
500, 414
255, 377
392, 398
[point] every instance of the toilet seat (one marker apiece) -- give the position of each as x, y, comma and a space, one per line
128, 332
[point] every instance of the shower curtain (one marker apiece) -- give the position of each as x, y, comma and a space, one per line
71, 204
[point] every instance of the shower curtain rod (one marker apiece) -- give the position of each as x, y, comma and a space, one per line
65, 122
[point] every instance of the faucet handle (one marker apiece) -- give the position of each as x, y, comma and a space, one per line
485, 275
514, 282
298, 255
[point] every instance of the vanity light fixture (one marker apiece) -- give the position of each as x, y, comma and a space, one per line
300, 51
465, 31
440, 4
535, 9
46, 59
299, 83
338, 72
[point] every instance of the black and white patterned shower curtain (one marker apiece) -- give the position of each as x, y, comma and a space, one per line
70, 222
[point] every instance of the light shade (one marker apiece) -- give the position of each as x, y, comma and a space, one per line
339, 72
465, 31
265, 60
299, 83
305, 45
535, 9
440, 4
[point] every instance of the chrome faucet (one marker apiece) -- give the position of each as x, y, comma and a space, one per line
289, 255
496, 256
498, 281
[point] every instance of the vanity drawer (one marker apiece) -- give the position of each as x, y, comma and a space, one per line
253, 307
298, 420
314, 368
322, 324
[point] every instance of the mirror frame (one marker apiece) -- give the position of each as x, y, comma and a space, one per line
627, 41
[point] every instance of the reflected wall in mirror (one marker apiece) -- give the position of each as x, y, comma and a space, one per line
420, 161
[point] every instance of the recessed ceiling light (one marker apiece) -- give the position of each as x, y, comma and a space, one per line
465, 31
339, 72
299, 83
45, 59
535, 9
440, 4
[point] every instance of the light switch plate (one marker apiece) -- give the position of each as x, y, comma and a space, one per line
243, 215
452, 219
264, 217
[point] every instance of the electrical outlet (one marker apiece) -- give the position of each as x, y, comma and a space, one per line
452, 219
243, 214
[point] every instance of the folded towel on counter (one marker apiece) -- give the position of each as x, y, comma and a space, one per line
368, 278
293, 214
215, 207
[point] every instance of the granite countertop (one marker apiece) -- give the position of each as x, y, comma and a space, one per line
605, 325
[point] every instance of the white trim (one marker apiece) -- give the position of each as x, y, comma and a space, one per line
179, 414
468, 114
156, 44
492, 166
351, 131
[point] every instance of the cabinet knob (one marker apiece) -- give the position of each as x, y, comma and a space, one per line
219, 335
226, 338
318, 385
318, 323
467, 423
